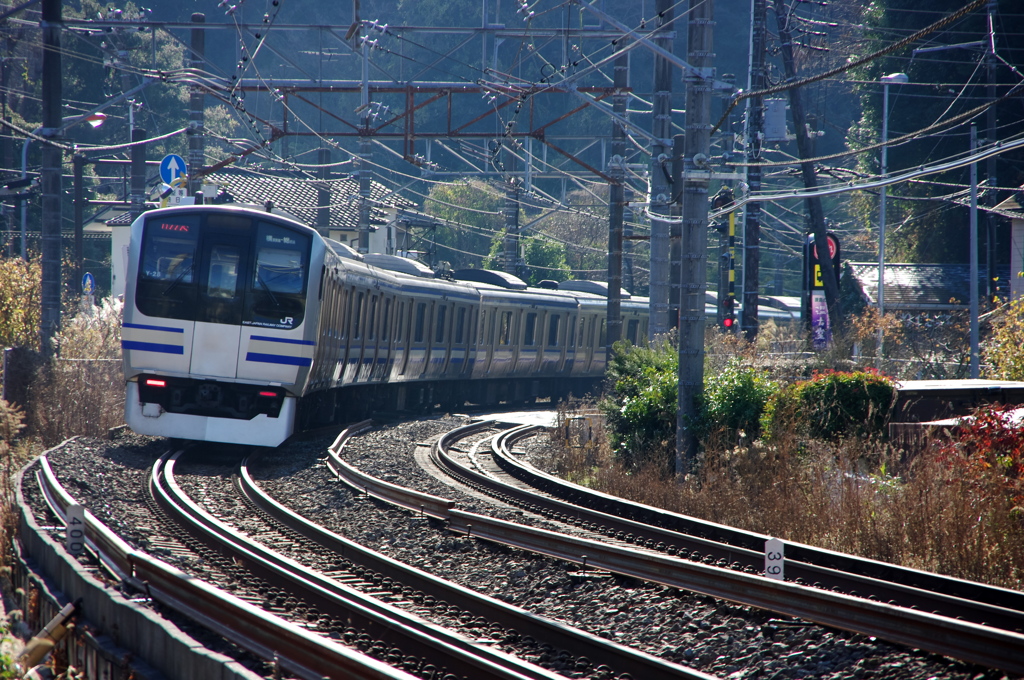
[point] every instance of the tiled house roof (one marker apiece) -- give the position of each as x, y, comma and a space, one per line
922, 287
297, 195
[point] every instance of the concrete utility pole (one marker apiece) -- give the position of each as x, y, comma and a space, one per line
617, 199
323, 192
660, 199
50, 178
754, 134
675, 230
804, 150
364, 171
196, 110
696, 175
78, 168
511, 243
138, 178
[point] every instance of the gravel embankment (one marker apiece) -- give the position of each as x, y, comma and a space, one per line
715, 636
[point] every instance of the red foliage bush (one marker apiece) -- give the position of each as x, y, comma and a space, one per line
987, 450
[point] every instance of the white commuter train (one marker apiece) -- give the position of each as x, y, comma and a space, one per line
242, 326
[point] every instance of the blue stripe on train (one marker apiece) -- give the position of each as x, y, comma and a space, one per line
278, 359
152, 347
289, 341
145, 327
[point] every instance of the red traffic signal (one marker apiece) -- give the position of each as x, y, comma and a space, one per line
727, 322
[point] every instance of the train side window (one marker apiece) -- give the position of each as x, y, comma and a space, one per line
553, 323
571, 323
583, 322
603, 334
385, 321
460, 325
505, 328
421, 314
357, 317
399, 337
590, 334
632, 326
343, 316
531, 329
483, 326
442, 312
371, 327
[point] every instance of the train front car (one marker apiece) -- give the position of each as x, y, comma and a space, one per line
218, 332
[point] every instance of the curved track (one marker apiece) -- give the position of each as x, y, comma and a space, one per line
979, 641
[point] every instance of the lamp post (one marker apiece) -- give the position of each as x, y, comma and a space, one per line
898, 78
94, 119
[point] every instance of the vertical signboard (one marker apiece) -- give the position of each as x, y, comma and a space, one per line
815, 308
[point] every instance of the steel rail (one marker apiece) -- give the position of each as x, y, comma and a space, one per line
598, 650
306, 654
963, 640
412, 635
952, 597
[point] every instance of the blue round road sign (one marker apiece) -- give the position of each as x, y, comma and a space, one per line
172, 167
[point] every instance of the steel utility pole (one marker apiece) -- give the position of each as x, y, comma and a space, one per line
616, 199
754, 135
196, 110
696, 175
990, 165
660, 198
53, 95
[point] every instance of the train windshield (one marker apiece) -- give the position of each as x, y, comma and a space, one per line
279, 277
169, 250
242, 270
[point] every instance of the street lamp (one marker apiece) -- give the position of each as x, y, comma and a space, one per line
93, 119
899, 79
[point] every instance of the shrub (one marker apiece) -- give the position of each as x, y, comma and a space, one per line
20, 310
833, 404
1004, 351
988, 454
733, 401
81, 390
641, 407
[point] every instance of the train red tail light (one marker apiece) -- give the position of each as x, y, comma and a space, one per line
153, 382
267, 393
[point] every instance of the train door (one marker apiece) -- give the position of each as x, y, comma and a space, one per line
570, 343
386, 357
458, 356
223, 270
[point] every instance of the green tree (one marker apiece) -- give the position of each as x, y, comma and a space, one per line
542, 258
471, 211
942, 85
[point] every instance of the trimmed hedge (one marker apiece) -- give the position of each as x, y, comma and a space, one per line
833, 404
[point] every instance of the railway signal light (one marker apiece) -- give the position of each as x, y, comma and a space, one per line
728, 312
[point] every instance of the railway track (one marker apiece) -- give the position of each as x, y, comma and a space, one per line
247, 539
967, 624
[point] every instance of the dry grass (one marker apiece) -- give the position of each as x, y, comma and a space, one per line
80, 391
858, 497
